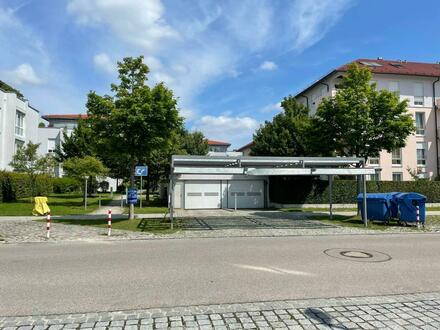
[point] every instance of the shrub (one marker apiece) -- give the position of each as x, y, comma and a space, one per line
66, 185
17, 185
304, 190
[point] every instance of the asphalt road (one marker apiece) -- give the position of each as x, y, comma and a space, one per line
85, 277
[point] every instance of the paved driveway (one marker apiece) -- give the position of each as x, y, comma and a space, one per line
250, 222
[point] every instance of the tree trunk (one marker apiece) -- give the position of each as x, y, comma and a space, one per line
131, 206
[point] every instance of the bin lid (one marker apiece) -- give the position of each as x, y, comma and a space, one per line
375, 196
411, 196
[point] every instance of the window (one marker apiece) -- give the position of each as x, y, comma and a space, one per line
18, 145
393, 87
373, 160
421, 153
19, 123
374, 177
418, 94
396, 157
51, 145
397, 176
420, 123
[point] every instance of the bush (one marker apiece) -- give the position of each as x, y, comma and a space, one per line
66, 185
17, 185
308, 190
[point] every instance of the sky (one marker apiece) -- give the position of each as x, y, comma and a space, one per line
229, 62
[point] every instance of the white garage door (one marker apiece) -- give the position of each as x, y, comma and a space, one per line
250, 194
202, 195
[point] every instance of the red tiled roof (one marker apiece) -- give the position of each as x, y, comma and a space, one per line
398, 67
69, 116
386, 67
218, 143
246, 146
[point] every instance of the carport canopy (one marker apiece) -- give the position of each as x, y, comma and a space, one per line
269, 166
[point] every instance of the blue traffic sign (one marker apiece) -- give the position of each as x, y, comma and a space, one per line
132, 196
141, 171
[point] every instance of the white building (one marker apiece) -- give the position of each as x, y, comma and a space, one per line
18, 125
416, 82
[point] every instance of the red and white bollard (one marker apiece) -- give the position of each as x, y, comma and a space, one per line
109, 222
417, 216
48, 221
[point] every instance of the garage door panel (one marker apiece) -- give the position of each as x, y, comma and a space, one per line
202, 195
247, 194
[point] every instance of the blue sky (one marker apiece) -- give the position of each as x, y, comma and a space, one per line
229, 62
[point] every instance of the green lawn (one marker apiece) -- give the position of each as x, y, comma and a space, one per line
158, 226
59, 204
154, 205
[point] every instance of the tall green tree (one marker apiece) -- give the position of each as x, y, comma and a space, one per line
84, 168
194, 143
26, 160
79, 143
136, 121
286, 134
360, 120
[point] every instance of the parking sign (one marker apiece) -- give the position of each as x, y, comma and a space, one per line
141, 171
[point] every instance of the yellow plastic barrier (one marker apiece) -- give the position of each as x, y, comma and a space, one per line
41, 207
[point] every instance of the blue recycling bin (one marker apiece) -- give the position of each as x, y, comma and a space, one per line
378, 206
407, 203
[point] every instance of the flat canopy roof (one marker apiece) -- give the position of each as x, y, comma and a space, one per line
251, 165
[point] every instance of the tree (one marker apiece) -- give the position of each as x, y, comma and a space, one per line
77, 144
359, 120
286, 134
195, 143
84, 168
27, 161
136, 121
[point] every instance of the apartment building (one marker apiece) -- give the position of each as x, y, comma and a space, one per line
18, 124
416, 82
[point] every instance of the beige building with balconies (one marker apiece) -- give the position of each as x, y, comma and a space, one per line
417, 82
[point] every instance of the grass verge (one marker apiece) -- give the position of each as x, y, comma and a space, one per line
154, 226
317, 209
356, 222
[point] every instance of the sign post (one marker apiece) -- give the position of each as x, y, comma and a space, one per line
141, 171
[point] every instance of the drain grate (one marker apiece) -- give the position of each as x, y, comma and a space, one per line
358, 255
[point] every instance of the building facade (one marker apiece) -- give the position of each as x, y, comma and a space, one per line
416, 82
18, 125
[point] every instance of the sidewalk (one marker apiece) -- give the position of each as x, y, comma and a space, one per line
403, 311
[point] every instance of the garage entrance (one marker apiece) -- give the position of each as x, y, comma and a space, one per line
203, 195
241, 182
217, 194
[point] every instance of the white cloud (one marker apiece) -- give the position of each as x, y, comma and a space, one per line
190, 47
276, 107
103, 62
312, 19
226, 128
23, 74
138, 22
268, 66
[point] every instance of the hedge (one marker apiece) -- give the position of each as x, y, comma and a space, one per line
66, 185
17, 185
307, 190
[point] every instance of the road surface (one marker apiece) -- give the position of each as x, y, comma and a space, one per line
46, 278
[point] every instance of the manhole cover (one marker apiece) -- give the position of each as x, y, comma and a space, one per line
358, 255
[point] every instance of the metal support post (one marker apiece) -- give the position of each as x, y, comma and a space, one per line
85, 196
364, 210
330, 184
171, 201
140, 193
